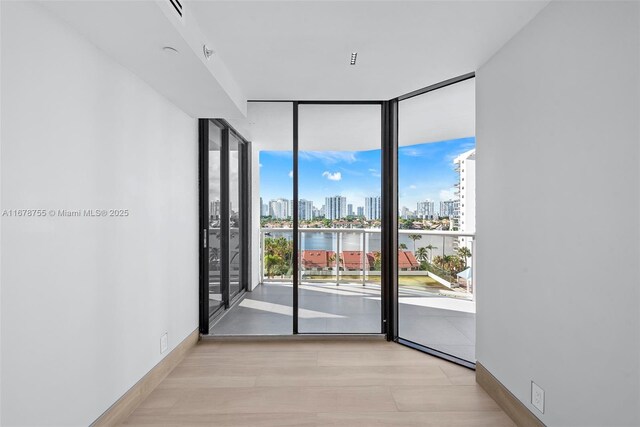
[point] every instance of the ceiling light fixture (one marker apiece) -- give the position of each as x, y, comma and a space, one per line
207, 52
354, 56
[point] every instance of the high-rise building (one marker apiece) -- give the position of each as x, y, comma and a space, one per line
426, 209
335, 207
280, 208
447, 208
264, 208
214, 209
360, 210
372, 207
406, 213
349, 209
464, 217
305, 210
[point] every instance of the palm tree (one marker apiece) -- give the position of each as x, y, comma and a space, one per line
214, 259
430, 248
422, 254
464, 253
414, 237
402, 247
271, 262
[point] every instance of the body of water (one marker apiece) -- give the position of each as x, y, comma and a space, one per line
314, 240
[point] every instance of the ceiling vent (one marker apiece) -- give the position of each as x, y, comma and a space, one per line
177, 6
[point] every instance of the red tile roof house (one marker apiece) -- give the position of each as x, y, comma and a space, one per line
406, 260
318, 260
352, 261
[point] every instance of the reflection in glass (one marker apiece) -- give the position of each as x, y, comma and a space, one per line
235, 231
215, 145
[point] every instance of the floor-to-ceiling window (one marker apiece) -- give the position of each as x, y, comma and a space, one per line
436, 219
322, 212
339, 216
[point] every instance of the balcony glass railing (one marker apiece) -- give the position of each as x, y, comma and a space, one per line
437, 262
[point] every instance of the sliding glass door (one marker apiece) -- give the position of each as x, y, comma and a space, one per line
224, 207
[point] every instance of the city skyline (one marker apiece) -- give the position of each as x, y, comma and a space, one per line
425, 173
282, 209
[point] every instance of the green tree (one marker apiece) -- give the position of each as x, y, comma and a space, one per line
332, 258
430, 248
377, 261
405, 224
281, 251
214, 259
271, 263
422, 255
465, 254
414, 237
438, 261
402, 247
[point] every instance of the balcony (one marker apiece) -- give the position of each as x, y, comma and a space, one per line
339, 287
420, 261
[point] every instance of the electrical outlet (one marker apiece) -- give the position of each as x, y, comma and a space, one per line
537, 397
164, 343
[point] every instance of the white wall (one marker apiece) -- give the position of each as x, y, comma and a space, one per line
255, 216
85, 300
558, 216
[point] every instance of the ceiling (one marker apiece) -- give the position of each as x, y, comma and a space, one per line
134, 33
298, 50
278, 50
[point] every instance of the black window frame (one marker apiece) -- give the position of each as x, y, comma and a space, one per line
389, 213
244, 176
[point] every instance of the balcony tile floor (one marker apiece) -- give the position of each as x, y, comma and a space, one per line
445, 324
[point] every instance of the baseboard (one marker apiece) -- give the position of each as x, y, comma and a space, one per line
119, 411
519, 413
297, 337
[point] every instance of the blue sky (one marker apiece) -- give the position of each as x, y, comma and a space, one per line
426, 172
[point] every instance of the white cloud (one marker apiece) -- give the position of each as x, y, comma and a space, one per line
413, 187
290, 174
336, 176
374, 172
411, 152
329, 157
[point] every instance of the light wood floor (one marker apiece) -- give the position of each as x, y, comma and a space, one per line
319, 383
